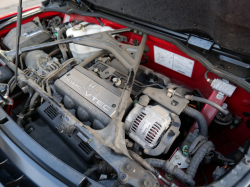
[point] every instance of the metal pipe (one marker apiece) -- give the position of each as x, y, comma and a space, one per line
200, 99
18, 33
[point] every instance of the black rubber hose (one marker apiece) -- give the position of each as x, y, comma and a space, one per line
196, 143
186, 178
198, 157
54, 52
21, 115
32, 106
61, 46
172, 170
91, 170
33, 100
202, 123
213, 104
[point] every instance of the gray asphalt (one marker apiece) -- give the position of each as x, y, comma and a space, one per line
8, 6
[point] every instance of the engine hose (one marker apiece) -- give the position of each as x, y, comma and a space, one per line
171, 169
54, 52
198, 157
202, 123
92, 57
186, 178
200, 99
91, 170
21, 115
195, 143
62, 46
33, 100
102, 168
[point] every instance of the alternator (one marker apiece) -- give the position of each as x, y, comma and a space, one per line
146, 125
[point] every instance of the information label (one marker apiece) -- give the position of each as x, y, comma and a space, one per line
173, 61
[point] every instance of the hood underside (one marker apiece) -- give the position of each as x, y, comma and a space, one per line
226, 22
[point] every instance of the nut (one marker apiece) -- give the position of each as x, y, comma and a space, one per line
129, 168
146, 183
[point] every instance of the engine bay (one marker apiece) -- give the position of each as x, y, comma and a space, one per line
121, 106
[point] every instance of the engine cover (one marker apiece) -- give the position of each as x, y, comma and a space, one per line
95, 90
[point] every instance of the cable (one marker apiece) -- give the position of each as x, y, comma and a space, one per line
202, 123
154, 84
208, 80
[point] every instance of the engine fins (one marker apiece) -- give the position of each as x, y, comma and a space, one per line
85, 147
51, 112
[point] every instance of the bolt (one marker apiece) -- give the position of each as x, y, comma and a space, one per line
129, 168
113, 105
169, 177
146, 183
129, 144
236, 121
173, 115
96, 70
187, 161
106, 72
196, 132
146, 151
115, 80
246, 161
177, 157
224, 106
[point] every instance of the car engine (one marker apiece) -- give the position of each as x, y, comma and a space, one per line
90, 85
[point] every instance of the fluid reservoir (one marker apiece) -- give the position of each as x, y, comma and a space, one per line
82, 29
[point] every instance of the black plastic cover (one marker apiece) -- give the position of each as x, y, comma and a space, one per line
227, 22
54, 119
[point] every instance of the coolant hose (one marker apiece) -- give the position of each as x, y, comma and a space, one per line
62, 46
213, 104
202, 123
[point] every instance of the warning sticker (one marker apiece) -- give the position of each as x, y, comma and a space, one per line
173, 61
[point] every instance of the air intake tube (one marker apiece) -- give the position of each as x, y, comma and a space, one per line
202, 123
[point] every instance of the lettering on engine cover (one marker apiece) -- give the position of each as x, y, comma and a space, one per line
99, 96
